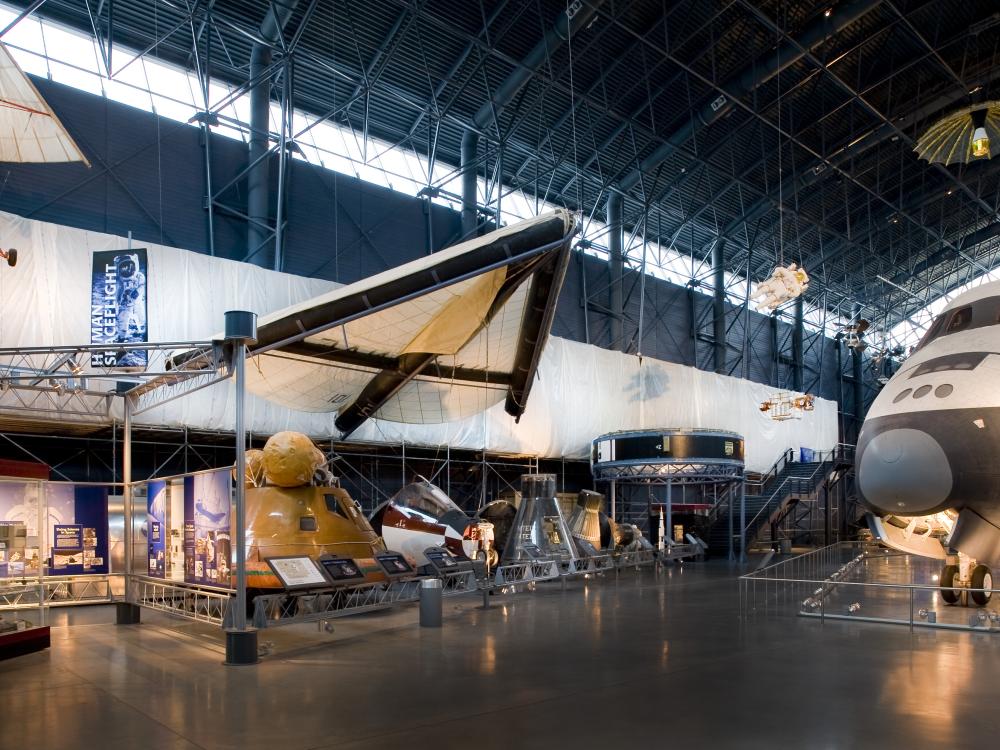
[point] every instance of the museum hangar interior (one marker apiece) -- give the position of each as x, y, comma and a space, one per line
555, 354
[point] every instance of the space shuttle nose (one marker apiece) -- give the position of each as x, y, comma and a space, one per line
904, 471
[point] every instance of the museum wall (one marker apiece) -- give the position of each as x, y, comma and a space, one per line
582, 390
342, 229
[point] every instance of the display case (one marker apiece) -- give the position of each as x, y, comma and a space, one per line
23, 627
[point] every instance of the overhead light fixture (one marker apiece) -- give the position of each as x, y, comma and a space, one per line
828, 12
962, 136
980, 140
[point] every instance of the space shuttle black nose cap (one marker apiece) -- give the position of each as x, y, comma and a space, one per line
904, 471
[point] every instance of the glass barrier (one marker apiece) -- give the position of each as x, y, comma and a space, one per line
864, 582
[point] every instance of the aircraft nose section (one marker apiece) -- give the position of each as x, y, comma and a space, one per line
904, 471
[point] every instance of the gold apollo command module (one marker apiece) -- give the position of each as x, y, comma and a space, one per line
294, 508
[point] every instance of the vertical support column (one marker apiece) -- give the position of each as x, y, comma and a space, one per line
470, 216
719, 305
729, 512
839, 343
668, 529
857, 373
743, 519
612, 492
127, 489
279, 225
258, 178
241, 642
798, 332
127, 612
616, 267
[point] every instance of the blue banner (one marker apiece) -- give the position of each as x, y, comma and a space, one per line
118, 307
156, 510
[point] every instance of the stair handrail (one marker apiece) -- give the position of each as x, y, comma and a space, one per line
787, 457
809, 482
724, 500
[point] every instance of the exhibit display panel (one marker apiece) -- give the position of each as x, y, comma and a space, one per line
182, 528
60, 539
53, 529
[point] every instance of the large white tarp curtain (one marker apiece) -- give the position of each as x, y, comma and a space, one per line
582, 391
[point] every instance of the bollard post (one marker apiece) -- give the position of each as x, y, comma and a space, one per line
430, 603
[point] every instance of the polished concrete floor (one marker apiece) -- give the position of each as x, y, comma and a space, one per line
649, 660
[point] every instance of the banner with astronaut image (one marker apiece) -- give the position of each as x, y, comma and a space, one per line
118, 307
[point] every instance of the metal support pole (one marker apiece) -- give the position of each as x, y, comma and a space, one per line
239, 365
127, 487
798, 331
616, 266
611, 495
470, 217
719, 306
743, 520
279, 229
127, 612
241, 643
729, 512
668, 529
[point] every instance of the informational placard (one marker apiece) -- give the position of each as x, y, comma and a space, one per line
118, 307
78, 528
394, 564
441, 558
297, 572
207, 536
341, 569
532, 551
156, 514
67, 537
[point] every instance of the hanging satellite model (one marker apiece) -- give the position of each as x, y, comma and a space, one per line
785, 405
785, 283
965, 135
30, 132
853, 335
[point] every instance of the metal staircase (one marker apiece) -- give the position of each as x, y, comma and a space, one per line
793, 501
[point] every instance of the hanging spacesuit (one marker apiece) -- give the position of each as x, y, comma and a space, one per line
783, 285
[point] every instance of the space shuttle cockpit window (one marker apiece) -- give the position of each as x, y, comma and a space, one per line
960, 319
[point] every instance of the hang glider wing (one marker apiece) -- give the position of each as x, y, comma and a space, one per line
29, 129
434, 340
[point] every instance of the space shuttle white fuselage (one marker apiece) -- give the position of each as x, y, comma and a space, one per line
930, 442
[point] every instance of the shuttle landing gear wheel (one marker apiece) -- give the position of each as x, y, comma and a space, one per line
982, 578
949, 577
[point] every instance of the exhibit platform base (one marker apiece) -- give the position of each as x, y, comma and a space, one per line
126, 613
22, 642
241, 647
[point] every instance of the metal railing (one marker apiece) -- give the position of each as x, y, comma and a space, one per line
191, 601
777, 467
62, 591
852, 581
789, 486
